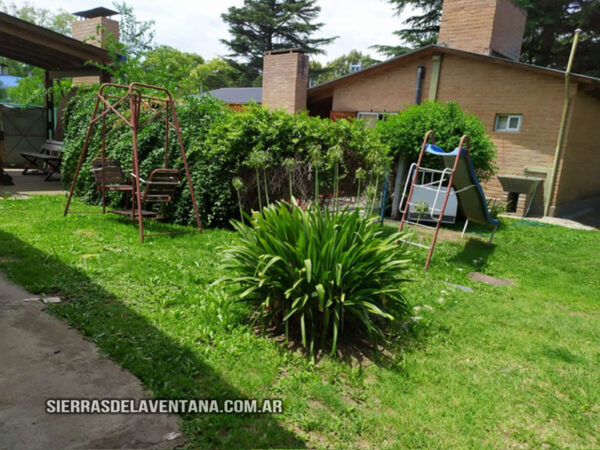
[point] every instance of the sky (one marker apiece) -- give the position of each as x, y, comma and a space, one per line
196, 26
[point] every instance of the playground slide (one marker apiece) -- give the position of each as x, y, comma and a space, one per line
472, 201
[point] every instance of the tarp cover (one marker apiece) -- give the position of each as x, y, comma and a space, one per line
24, 131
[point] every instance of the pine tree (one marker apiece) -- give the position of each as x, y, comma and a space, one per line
262, 25
548, 33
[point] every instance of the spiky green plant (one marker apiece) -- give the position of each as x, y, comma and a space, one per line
238, 185
335, 156
316, 160
289, 164
317, 272
255, 161
359, 176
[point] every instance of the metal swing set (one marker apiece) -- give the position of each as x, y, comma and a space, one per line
136, 109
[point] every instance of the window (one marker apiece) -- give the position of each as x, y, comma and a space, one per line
508, 122
370, 118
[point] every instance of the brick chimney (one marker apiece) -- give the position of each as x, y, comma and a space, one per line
285, 80
94, 27
490, 27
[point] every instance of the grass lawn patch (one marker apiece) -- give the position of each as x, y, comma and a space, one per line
500, 366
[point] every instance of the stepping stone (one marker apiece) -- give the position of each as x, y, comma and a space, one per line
483, 278
460, 286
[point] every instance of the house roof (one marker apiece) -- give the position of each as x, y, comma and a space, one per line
40, 47
238, 96
325, 90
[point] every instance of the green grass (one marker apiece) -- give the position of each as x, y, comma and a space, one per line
498, 367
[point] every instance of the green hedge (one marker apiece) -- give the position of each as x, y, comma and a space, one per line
220, 145
404, 133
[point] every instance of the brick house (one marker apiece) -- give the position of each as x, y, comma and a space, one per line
474, 63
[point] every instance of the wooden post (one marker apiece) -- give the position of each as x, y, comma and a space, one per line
48, 105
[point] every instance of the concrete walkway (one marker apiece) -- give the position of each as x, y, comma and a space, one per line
41, 358
31, 184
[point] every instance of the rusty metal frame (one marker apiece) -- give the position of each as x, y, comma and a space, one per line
465, 144
136, 100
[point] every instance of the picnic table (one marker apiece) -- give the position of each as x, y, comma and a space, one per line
47, 160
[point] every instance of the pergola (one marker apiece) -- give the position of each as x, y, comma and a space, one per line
59, 55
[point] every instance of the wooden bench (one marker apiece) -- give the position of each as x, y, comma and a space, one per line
47, 160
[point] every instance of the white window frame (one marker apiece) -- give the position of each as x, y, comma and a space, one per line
365, 115
519, 117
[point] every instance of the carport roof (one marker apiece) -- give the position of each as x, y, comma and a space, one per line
60, 55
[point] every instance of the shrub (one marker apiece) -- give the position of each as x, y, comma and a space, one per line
222, 145
318, 272
404, 133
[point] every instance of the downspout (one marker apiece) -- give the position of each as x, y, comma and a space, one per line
401, 167
563, 123
418, 90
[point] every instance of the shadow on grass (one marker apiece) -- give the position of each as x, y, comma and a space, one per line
165, 366
474, 249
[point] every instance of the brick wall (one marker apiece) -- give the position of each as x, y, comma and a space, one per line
390, 90
483, 26
487, 89
285, 80
93, 31
579, 172
509, 28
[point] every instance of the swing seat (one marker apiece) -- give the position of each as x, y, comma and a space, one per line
111, 178
160, 186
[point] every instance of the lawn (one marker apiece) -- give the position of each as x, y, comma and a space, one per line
497, 367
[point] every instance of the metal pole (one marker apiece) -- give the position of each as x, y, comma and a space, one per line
136, 167
463, 140
86, 142
563, 123
384, 196
414, 180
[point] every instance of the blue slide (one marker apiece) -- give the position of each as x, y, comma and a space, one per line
472, 201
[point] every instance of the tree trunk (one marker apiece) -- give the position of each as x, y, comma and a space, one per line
400, 170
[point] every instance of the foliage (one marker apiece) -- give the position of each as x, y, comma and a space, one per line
54, 19
422, 28
496, 208
135, 35
221, 144
339, 66
548, 32
30, 90
262, 25
404, 133
319, 273
255, 144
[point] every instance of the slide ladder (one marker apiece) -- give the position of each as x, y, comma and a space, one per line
458, 177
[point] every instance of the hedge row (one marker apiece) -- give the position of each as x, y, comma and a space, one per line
222, 145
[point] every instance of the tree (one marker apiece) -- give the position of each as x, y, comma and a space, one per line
57, 20
339, 66
548, 32
423, 27
184, 73
262, 25
135, 35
